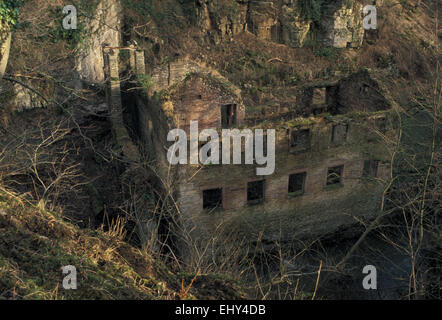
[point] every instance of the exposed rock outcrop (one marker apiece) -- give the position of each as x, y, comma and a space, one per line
105, 29
294, 29
222, 19
25, 99
283, 21
342, 24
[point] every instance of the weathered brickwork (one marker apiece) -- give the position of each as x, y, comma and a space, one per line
321, 209
340, 142
200, 98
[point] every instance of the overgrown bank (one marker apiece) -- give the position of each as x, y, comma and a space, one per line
36, 244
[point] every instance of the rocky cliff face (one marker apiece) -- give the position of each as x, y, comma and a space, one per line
283, 21
341, 22
104, 29
338, 23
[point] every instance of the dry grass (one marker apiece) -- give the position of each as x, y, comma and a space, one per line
36, 244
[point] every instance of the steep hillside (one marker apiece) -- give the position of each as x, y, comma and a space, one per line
64, 199
36, 244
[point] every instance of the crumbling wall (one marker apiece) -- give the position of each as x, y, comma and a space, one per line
358, 92
321, 209
194, 91
200, 98
172, 73
134, 175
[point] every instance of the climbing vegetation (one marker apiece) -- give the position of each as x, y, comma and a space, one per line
9, 11
310, 9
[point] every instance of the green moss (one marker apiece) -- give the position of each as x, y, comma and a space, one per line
145, 81
299, 122
296, 194
333, 186
254, 109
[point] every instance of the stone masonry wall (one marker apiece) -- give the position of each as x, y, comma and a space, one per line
322, 209
195, 92
200, 98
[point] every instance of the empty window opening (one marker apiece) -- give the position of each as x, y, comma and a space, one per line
255, 192
319, 96
339, 133
213, 199
297, 184
300, 139
319, 110
228, 115
370, 168
334, 175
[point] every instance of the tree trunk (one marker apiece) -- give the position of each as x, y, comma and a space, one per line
5, 46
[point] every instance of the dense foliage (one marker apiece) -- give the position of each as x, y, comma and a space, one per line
9, 11
310, 9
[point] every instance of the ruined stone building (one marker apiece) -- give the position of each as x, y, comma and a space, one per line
330, 162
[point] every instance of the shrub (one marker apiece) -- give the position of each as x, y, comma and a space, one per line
145, 81
328, 52
9, 11
223, 8
310, 9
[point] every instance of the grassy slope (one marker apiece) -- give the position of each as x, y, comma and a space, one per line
36, 244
